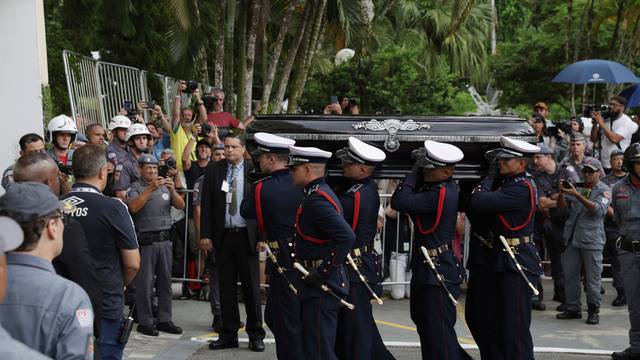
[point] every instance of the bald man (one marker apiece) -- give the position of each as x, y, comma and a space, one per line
74, 263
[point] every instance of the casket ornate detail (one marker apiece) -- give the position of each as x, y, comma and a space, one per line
391, 126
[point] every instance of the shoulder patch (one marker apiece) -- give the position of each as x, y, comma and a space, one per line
111, 155
85, 317
119, 167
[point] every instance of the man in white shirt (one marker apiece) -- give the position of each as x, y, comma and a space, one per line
615, 133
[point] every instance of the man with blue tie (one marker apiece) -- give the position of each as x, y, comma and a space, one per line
273, 203
235, 241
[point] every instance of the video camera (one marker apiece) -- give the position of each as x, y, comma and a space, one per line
557, 126
602, 109
191, 86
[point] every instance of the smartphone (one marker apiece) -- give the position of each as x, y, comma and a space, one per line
128, 105
150, 105
333, 99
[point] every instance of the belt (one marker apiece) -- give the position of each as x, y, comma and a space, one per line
361, 250
631, 246
274, 245
150, 237
235, 229
437, 251
311, 264
519, 240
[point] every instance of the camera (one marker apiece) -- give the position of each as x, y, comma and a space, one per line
163, 170
150, 105
128, 106
559, 125
171, 162
206, 129
65, 169
602, 109
209, 101
191, 86
567, 185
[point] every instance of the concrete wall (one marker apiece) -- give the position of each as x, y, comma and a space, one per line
22, 46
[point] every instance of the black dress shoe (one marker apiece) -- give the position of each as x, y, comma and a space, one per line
561, 308
626, 355
538, 305
593, 318
169, 327
568, 314
223, 344
256, 345
148, 330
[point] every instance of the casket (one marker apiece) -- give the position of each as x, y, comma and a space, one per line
398, 136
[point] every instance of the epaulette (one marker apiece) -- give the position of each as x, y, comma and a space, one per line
312, 189
262, 179
355, 188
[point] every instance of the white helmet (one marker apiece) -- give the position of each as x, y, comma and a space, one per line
137, 129
119, 122
64, 124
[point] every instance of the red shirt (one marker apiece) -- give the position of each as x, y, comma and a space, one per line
223, 120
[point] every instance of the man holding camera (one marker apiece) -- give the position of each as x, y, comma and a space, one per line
182, 121
614, 134
216, 116
150, 201
584, 237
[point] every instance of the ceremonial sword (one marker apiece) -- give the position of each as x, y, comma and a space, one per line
364, 281
437, 274
324, 287
517, 264
279, 268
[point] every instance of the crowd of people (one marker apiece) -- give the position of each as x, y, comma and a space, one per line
118, 197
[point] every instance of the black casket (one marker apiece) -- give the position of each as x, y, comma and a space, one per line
398, 136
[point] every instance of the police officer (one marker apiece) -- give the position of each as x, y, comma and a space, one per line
611, 228
625, 200
573, 162
503, 204
29, 143
430, 196
43, 310
128, 172
11, 237
112, 242
150, 201
584, 238
323, 240
273, 201
358, 336
117, 150
62, 133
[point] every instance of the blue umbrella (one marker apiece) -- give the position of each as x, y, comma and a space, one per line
596, 72
632, 94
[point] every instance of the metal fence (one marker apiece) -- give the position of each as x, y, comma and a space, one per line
97, 89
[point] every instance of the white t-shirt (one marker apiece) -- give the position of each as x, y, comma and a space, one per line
625, 127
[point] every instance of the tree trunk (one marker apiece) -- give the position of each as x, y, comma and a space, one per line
567, 50
276, 103
218, 66
229, 55
275, 55
312, 46
242, 56
616, 29
250, 58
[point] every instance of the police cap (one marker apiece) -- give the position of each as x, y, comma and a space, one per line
359, 152
147, 159
545, 150
592, 163
29, 201
511, 149
271, 144
437, 154
305, 155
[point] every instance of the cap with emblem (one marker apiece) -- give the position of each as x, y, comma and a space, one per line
147, 159
304, 155
359, 152
511, 149
592, 163
11, 236
271, 144
436, 154
577, 137
545, 150
29, 201
616, 152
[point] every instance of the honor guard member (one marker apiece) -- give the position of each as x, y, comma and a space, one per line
358, 336
42, 309
323, 240
117, 151
430, 196
112, 242
273, 203
150, 202
128, 172
625, 199
506, 200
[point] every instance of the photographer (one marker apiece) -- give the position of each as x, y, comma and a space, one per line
344, 106
29, 143
150, 201
613, 134
585, 239
216, 116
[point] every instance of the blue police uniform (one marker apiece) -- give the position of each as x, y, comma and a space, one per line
273, 203
502, 206
323, 240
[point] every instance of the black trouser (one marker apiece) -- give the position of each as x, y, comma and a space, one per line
552, 245
283, 315
358, 336
319, 324
235, 258
498, 313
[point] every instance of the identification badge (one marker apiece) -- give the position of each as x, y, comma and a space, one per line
229, 195
225, 186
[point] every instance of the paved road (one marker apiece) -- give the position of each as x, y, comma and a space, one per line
553, 339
